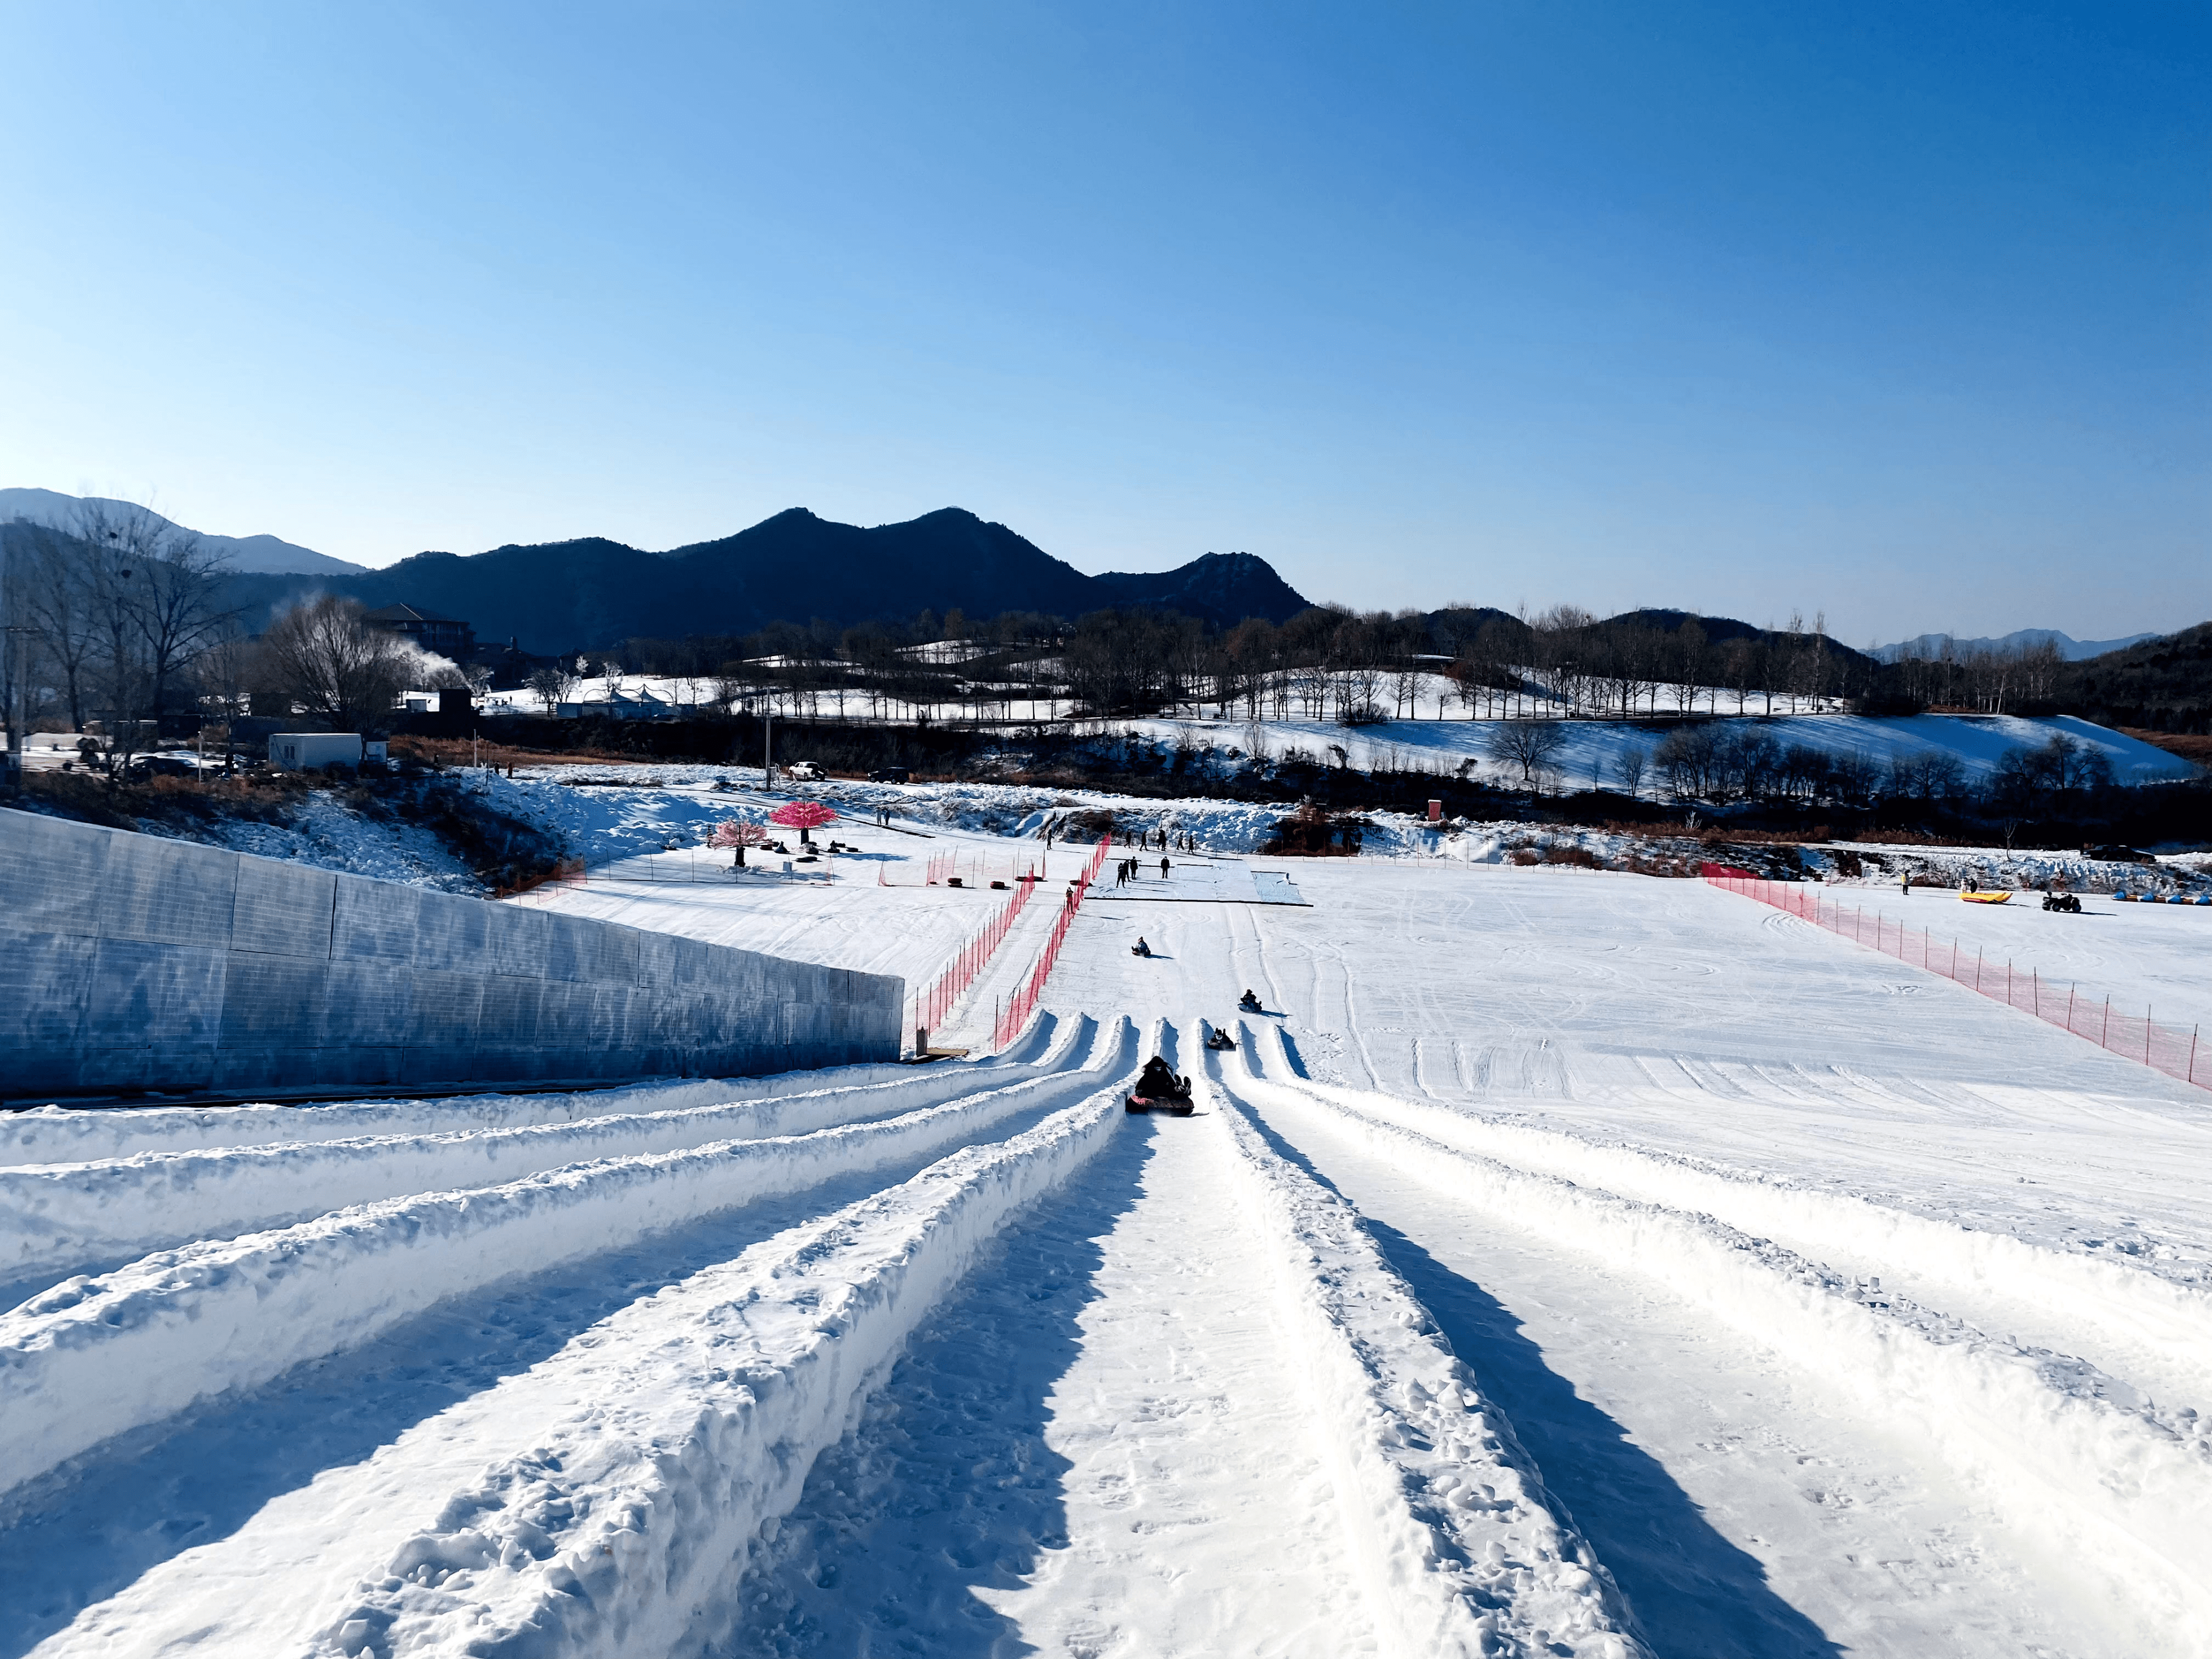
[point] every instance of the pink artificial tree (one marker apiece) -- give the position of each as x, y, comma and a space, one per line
803, 816
740, 834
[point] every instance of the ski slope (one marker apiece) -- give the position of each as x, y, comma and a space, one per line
1565, 1262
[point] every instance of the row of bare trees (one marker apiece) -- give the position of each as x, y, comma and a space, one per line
119, 617
107, 619
1327, 664
1708, 763
1988, 678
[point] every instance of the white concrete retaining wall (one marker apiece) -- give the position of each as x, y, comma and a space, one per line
128, 962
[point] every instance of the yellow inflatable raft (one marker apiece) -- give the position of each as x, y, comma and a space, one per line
1973, 897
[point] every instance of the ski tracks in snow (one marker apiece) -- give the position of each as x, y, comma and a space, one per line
2082, 1463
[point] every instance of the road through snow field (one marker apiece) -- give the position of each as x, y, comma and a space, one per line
1565, 1263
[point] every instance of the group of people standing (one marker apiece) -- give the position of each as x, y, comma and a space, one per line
1124, 871
1179, 840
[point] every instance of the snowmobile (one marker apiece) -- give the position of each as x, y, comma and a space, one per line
2066, 901
1218, 1040
1250, 1003
1159, 1089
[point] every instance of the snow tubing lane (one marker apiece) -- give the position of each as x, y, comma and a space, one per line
94, 1357
58, 1135
64, 1216
2107, 1482
1462, 1550
695, 1439
2167, 1325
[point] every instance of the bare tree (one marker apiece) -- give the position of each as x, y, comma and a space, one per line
556, 684
221, 673
1629, 767
154, 591
1528, 745
1686, 663
49, 596
340, 668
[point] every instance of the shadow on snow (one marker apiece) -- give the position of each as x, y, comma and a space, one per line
947, 1486
89, 1529
1694, 1593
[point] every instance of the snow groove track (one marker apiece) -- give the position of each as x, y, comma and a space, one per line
606, 1502
2064, 1451
1454, 1530
96, 1356
2130, 1320
721, 1425
59, 1134
63, 1215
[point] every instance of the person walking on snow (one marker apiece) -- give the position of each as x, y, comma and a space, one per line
1164, 869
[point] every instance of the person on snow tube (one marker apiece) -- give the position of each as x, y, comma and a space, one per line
1158, 1081
1140, 948
1219, 1039
1247, 1002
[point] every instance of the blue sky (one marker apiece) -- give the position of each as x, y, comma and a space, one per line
1895, 311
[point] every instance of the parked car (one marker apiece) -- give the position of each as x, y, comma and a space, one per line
889, 775
173, 763
805, 772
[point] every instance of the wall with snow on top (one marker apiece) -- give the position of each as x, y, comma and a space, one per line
129, 962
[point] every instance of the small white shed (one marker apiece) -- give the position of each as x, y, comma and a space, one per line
308, 752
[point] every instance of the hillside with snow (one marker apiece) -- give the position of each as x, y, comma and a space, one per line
1562, 1261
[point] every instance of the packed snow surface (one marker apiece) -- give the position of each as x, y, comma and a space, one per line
1562, 1263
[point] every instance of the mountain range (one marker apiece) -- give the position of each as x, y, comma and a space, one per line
796, 567
592, 592
2071, 649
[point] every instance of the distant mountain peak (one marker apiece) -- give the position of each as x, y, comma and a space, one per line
1222, 588
247, 554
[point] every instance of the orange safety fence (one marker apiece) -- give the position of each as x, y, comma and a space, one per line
2165, 1048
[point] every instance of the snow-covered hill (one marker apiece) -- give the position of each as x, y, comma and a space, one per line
1563, 1263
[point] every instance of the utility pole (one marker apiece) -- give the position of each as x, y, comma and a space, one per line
768, 751
11, 771
11, 635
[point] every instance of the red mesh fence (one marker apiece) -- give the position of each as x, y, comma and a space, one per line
1016, 1014
931, 1005
2166, 1049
